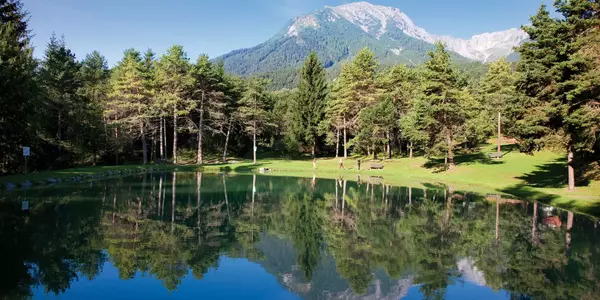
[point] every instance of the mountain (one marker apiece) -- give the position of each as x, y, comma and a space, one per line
337, 33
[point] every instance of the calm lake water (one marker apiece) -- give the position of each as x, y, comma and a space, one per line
192, 235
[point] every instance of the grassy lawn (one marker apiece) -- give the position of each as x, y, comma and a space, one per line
67, 173
540, 177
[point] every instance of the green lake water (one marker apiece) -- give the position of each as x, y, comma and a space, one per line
207, 236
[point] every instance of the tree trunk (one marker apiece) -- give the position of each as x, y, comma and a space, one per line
374, 152
337, 142
450, 156
570, 168
154, 147
253, 186
117, 145
165, 138
534, 225
226, 141
336, 194
105, 130
343, 198
345, 146
198, 203
161, 140
160, 193
497, 218
410, 155
254, 141
199, 159
59, 133
499, 135
226, 198
144, 145
173, 192
174, 135
569, 226
389, 146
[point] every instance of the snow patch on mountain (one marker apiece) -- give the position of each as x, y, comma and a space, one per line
301, 23
396, 50
378, 20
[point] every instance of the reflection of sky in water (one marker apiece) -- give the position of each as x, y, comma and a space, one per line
384, 242
233, 279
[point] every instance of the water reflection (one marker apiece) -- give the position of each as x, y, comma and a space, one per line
319, 239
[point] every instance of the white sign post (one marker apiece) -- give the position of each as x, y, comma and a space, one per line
26, 153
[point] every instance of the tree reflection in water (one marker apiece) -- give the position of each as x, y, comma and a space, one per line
317, 237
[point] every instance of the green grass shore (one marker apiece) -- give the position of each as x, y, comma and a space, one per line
539, 177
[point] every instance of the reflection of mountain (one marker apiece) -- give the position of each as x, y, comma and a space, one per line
398, 238
280, 260
469, 271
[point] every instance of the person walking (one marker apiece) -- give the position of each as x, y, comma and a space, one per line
342, 163
314, 163
358, 162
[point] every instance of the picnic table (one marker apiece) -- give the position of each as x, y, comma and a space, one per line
495, 155
376, 166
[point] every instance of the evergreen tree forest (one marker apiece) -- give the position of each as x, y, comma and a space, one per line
172, 108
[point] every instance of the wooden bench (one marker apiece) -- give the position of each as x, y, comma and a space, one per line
495, 155
376, 166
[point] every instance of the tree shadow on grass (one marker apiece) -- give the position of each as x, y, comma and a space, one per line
462, 159
552, 175
525, 192
225, 168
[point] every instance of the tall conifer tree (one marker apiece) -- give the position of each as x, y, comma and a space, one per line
554, 69
309, 105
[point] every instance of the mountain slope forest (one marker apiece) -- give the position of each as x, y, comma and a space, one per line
153, 107
337, 34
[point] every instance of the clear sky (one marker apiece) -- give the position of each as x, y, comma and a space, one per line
216, 27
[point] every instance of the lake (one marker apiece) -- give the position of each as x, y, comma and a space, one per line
207, 236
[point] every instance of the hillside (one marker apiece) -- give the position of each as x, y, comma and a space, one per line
338, 33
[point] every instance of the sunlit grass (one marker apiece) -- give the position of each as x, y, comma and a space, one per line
539, 177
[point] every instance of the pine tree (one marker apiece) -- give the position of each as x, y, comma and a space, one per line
19, 99
442, 103
375, 124
128, 106
353, 90
399, 85
175, 85
309, 105
209, 92
554, 72
94, 76
234, 87
253, 110
148, 70
61, 81
496, 92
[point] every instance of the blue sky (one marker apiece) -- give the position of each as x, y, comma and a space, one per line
216, 27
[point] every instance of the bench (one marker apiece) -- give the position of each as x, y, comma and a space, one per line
376, 166
495, 155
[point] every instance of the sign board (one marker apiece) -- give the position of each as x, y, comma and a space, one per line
24, 205
255, 149
26, 151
